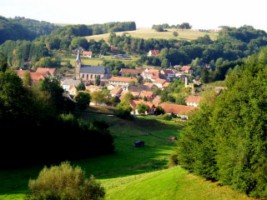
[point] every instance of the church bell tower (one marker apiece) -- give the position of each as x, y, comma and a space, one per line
78, 66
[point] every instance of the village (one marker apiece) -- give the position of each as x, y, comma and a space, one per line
140, 83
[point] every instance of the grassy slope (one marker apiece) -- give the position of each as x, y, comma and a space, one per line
131, 173
150, 33
174, 183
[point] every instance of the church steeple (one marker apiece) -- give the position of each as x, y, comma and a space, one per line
78, 65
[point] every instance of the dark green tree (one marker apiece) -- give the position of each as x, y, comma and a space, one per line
83, 100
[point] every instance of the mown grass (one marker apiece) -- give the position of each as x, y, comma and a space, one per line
127, 160
171, 184
131, 173
151, 33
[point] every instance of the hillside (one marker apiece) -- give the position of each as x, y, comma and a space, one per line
171, 184
131, 173
20, 28
150, 33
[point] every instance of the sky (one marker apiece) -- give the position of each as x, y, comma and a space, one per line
201, 14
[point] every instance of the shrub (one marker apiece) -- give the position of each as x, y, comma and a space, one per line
167, 117
173, 160
64, 182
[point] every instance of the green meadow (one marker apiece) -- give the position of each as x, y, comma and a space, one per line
132, 173
151, 33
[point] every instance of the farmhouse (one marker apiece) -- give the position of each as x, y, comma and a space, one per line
131, 72
122, 81
153, 53
179, 110
193, 100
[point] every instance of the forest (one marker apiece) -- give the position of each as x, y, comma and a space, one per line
226, 140
39, 119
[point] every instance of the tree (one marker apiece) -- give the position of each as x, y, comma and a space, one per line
159, 110
64, 182
27, 81
80, 86
98, 97
142, 108
175, 33
165, 63
83, 100
97, 80
3, 62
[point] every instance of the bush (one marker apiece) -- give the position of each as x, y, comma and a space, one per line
173, 160
64, 182
167, 117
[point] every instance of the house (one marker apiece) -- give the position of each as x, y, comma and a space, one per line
178, 110
160, 83
167, 74
69, 85
131, 72
153, 53
134, 105
156, 101
186, 69
116, 92
146, 94
193, 100
46, 71
151, 74
87, 54
122, 81
89, 74
149, 86
35, 77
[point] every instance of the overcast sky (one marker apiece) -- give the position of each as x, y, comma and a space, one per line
206, 14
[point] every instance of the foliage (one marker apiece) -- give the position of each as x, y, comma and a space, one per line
226, 140
123, 110
35, 110
175, 33
20, 28
159, 110
64, 182
143, 108
83, 100
98, 97
81, 86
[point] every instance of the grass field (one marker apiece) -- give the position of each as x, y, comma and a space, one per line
150, 33
97, 61
131, 173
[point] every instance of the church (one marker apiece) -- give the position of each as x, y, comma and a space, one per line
89, 74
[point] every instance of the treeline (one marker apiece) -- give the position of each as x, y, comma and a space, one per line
162, 27
226, 139
232, 45
21, 28
86, 30
35, 119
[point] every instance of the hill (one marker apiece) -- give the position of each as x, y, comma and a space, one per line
151, 33
171, 184
20, 28
132, 173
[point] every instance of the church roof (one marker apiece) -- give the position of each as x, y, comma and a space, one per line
94, 69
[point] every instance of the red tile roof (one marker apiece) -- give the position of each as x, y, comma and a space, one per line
177, 109
46, 71
35, 76
193, 99
154, 52
131, 71
185, 68
135, 103
87, 53
123, 79
147, 94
